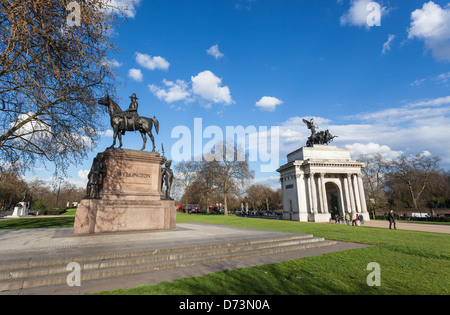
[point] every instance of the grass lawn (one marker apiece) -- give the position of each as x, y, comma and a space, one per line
70, 211
426, 222
411, 262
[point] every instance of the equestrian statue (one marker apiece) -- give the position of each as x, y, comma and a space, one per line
129, 120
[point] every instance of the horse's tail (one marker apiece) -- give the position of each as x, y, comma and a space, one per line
156, 123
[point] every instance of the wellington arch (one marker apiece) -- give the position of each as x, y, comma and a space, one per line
320, 181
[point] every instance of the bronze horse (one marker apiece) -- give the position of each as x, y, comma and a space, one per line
142, 124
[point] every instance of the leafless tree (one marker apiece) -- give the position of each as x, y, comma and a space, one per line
186, 174
11, 188
374, 174
52, 73
413, 173
261, 195
232, 169
218, 176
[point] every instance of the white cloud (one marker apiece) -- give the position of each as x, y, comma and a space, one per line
415, 111
429, 22
107, 133
152, 63
83, 174
35, 129
176, 91
112, 63
127, 7
268, 103
426, 153
358, 13
443, 77
208, 86
418, 82
432, 102
371, 148
404, 114
387, 44
136, 74
214, 51
432, 25
272, 181
205, 88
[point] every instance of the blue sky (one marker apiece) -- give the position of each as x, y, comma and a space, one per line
381, 89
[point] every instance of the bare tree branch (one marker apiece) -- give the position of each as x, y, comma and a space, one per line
51, 75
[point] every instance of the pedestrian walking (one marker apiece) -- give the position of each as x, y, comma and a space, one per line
361, 218
392, 219
354, 217
347, 219
336, 219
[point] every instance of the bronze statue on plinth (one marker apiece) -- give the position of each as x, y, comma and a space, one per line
129, 120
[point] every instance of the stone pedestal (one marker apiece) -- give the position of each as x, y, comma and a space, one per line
320, 182
131, 198
20, 210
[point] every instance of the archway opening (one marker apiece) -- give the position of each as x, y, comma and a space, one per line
333, 199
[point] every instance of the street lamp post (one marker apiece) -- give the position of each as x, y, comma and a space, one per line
59, 187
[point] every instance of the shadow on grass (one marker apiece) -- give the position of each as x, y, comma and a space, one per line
37, 223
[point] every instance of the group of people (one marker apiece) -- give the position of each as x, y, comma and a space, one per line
357, 219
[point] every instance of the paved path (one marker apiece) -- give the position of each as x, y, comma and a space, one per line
433, 228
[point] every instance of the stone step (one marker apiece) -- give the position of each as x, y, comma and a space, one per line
144, 268
54, 266
27, 264
51, 272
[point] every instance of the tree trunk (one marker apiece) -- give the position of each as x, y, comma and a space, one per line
225, 204
412, 196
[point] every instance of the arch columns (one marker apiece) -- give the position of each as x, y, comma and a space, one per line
323, 195
313, 193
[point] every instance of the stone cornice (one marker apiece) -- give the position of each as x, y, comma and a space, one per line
306, 164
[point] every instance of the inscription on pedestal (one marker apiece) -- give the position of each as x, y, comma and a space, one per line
135, 175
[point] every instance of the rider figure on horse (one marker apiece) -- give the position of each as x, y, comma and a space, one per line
130, 116
131, 112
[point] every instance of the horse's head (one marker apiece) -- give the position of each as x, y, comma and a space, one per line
108, 102
104, 100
